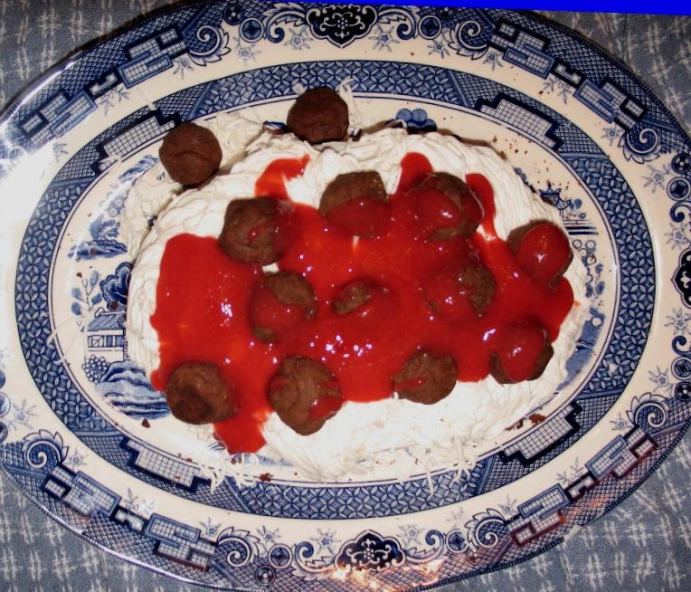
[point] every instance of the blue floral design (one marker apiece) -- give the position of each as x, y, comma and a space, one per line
678, 237
103, 241
494, 60
620, 423
573, 211
85, 297
482, 534
267, 538
656, 179
560, 87
116, 206
679, 321
59, 150
182, 66
115, 287
23, 415
326, 540
611, 134
660, 378
108, 100
410, 533
299, 39
210, 528
383, 38
438, 47
246, 53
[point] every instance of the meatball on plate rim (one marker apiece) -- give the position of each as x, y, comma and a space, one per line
85, 435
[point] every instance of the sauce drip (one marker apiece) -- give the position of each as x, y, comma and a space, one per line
203, 303
272, 181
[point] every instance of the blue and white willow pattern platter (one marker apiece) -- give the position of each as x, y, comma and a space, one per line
85, 436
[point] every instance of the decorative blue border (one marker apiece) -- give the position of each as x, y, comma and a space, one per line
493, 539
243, 559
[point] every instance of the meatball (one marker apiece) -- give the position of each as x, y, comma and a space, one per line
349, 186
354, 295
426, 378
357, 203
196, 393
460, 294
304, 394
445, 207
256, 230
319, 115
522, 352
542, 249
190, 154
281, 301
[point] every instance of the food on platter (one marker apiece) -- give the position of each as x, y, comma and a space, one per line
196, 393
191, 154
357, 295
319, 115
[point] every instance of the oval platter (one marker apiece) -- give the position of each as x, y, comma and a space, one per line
87, 438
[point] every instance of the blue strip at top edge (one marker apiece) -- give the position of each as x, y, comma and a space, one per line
674, 7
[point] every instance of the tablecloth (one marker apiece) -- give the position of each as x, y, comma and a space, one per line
643, 544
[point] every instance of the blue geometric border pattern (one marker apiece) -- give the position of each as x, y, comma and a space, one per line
277, 499
194, 31
146, 51
438, 84
243, 559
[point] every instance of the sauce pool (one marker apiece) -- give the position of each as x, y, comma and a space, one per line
203, 302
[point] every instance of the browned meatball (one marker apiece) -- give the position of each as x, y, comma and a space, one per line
304, 394
460, 294
446, 207
426, 378
350, 186
522, 352
190, 154
357, 203
319, 115
279, 302
196, 393
354, 295
256, 230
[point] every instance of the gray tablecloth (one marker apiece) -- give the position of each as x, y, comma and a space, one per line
644, 544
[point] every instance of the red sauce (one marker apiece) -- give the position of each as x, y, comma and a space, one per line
268, 311
519, 346
543, 251
203, 302
434, 211
482, 188
325, 406
366, 217
272, 180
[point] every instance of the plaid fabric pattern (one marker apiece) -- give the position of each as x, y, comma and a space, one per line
657, 48
644, 544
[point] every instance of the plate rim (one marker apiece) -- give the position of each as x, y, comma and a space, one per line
24, 94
